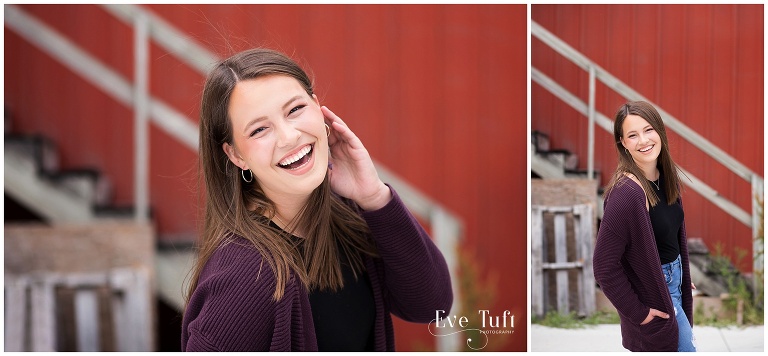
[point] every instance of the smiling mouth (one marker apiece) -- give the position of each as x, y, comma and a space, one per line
644, 150
297, 160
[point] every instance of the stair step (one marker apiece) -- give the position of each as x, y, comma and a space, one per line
564, 158
41, 149
86, 183
540, 141
83, 185
117, 212
578, 173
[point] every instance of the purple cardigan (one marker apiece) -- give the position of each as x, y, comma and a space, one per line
627, 267
232, 307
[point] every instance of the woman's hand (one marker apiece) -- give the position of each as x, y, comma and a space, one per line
352, 173
652, 314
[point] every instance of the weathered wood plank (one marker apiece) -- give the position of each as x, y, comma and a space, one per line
132, 322
561, 255
15, 313
43, 315
87, 319
585, 236
537, 278
562, 265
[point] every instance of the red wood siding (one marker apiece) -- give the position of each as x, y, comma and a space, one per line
701, 63
437, 93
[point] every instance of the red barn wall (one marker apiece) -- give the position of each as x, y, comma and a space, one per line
701, 63
436, 93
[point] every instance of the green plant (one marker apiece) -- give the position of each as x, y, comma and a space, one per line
572, 320
475, 293
554, 319
759, 275
603, 317
741, 300
703, 318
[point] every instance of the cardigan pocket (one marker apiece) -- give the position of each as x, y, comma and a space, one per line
653, 326
659, 334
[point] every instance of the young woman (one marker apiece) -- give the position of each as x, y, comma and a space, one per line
641, 254
303, 246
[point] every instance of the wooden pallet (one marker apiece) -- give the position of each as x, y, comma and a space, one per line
542, 266
112, 311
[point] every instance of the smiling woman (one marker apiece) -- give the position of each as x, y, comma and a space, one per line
642, 234
288, 183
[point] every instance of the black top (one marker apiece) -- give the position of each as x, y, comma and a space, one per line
666, 221
343, 319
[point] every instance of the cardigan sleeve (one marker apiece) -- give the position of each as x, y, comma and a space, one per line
232, 308
621, 209
416, 277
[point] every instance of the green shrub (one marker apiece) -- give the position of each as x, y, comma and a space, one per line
750, 292
572, 320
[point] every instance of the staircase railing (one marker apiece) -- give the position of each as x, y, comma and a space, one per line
446, 226
588, 109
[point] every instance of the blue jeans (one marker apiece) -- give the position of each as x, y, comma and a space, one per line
673, 275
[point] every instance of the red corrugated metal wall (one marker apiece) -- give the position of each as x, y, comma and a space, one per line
436, 93
702, 63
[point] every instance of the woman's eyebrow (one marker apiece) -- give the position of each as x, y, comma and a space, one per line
253, 122
291, 100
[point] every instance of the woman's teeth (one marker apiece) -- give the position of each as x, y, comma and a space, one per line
299, 155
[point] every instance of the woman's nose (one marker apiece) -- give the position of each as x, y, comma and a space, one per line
287, 135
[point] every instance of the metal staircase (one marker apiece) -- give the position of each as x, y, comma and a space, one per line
33, 178
547, 162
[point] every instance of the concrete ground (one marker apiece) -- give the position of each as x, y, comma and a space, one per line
607, 337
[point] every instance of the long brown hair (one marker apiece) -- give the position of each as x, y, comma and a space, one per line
665, 163
234, 207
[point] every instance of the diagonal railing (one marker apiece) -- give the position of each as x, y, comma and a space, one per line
588, 109
446, 227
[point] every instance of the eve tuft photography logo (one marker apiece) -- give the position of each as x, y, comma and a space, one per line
476, 333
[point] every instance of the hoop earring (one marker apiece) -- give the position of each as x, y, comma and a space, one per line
327, 130
242, 173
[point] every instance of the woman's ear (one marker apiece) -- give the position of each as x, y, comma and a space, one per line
317, 101
233, 156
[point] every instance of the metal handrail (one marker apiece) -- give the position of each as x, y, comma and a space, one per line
140, 117
167, 36
597, 72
